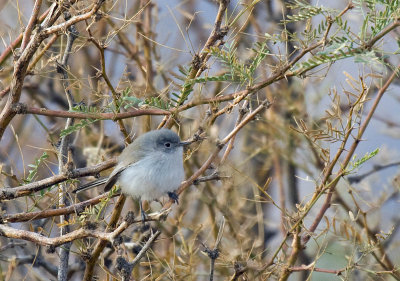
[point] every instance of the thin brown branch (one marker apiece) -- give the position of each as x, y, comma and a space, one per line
75, 208
388, 265
75, 19
296, 247
10, 232
31, 23
24, 109
7, 52
349, 155
21, 65
8, 193
33, 63
312, 267
242, 112
101, 244
125, 267
145, 248
198, 63
113, 92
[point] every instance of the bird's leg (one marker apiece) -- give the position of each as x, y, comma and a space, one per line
142, 212
174, 196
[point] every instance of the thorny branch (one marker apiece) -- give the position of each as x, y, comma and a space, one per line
8, 193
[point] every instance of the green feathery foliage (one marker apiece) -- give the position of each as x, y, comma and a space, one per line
83, 123
35, 166
306, 11
128, 101
76, 127
336, 36
357, 162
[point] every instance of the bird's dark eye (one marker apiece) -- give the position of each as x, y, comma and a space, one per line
167, 144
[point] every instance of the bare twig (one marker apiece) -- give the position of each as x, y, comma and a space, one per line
21, 108
31, 23
113, 92
214, 253
8, 193
198, 64
126, 267
75, 208
376, 168
33, 63
7, 52
349, 155
100, 245
63, 158
80, 233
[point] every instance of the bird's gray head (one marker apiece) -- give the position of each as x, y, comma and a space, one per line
160, 140
151, 144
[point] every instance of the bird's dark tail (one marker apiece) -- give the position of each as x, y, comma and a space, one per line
90, 185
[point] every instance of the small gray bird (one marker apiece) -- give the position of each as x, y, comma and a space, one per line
148, 168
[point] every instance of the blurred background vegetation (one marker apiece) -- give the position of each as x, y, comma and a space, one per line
296, 174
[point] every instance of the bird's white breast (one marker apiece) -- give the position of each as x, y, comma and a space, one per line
154, 175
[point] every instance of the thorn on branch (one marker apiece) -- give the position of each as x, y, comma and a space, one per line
19, 108
6, 194
59, 68
69, 169
220, 144
124, 267
214, 176
117, 241
244, 109
51, 249
197, 135
130, 217
196, 61
239, 270
16, 54
213, 255
222, 32
90, 225
98, 16
86, 256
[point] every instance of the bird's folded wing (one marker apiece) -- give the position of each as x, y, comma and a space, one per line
113, 178
90, 185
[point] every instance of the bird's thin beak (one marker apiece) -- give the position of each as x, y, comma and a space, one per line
185, 143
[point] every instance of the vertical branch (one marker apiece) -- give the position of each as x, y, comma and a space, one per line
126, 267
349, 155
7, 52
99, 247
242, 112
114, 93
31, 23
296, 246
145, 30
281, 187
63, 158
214, 253
20, 67
198, 62
34, 62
